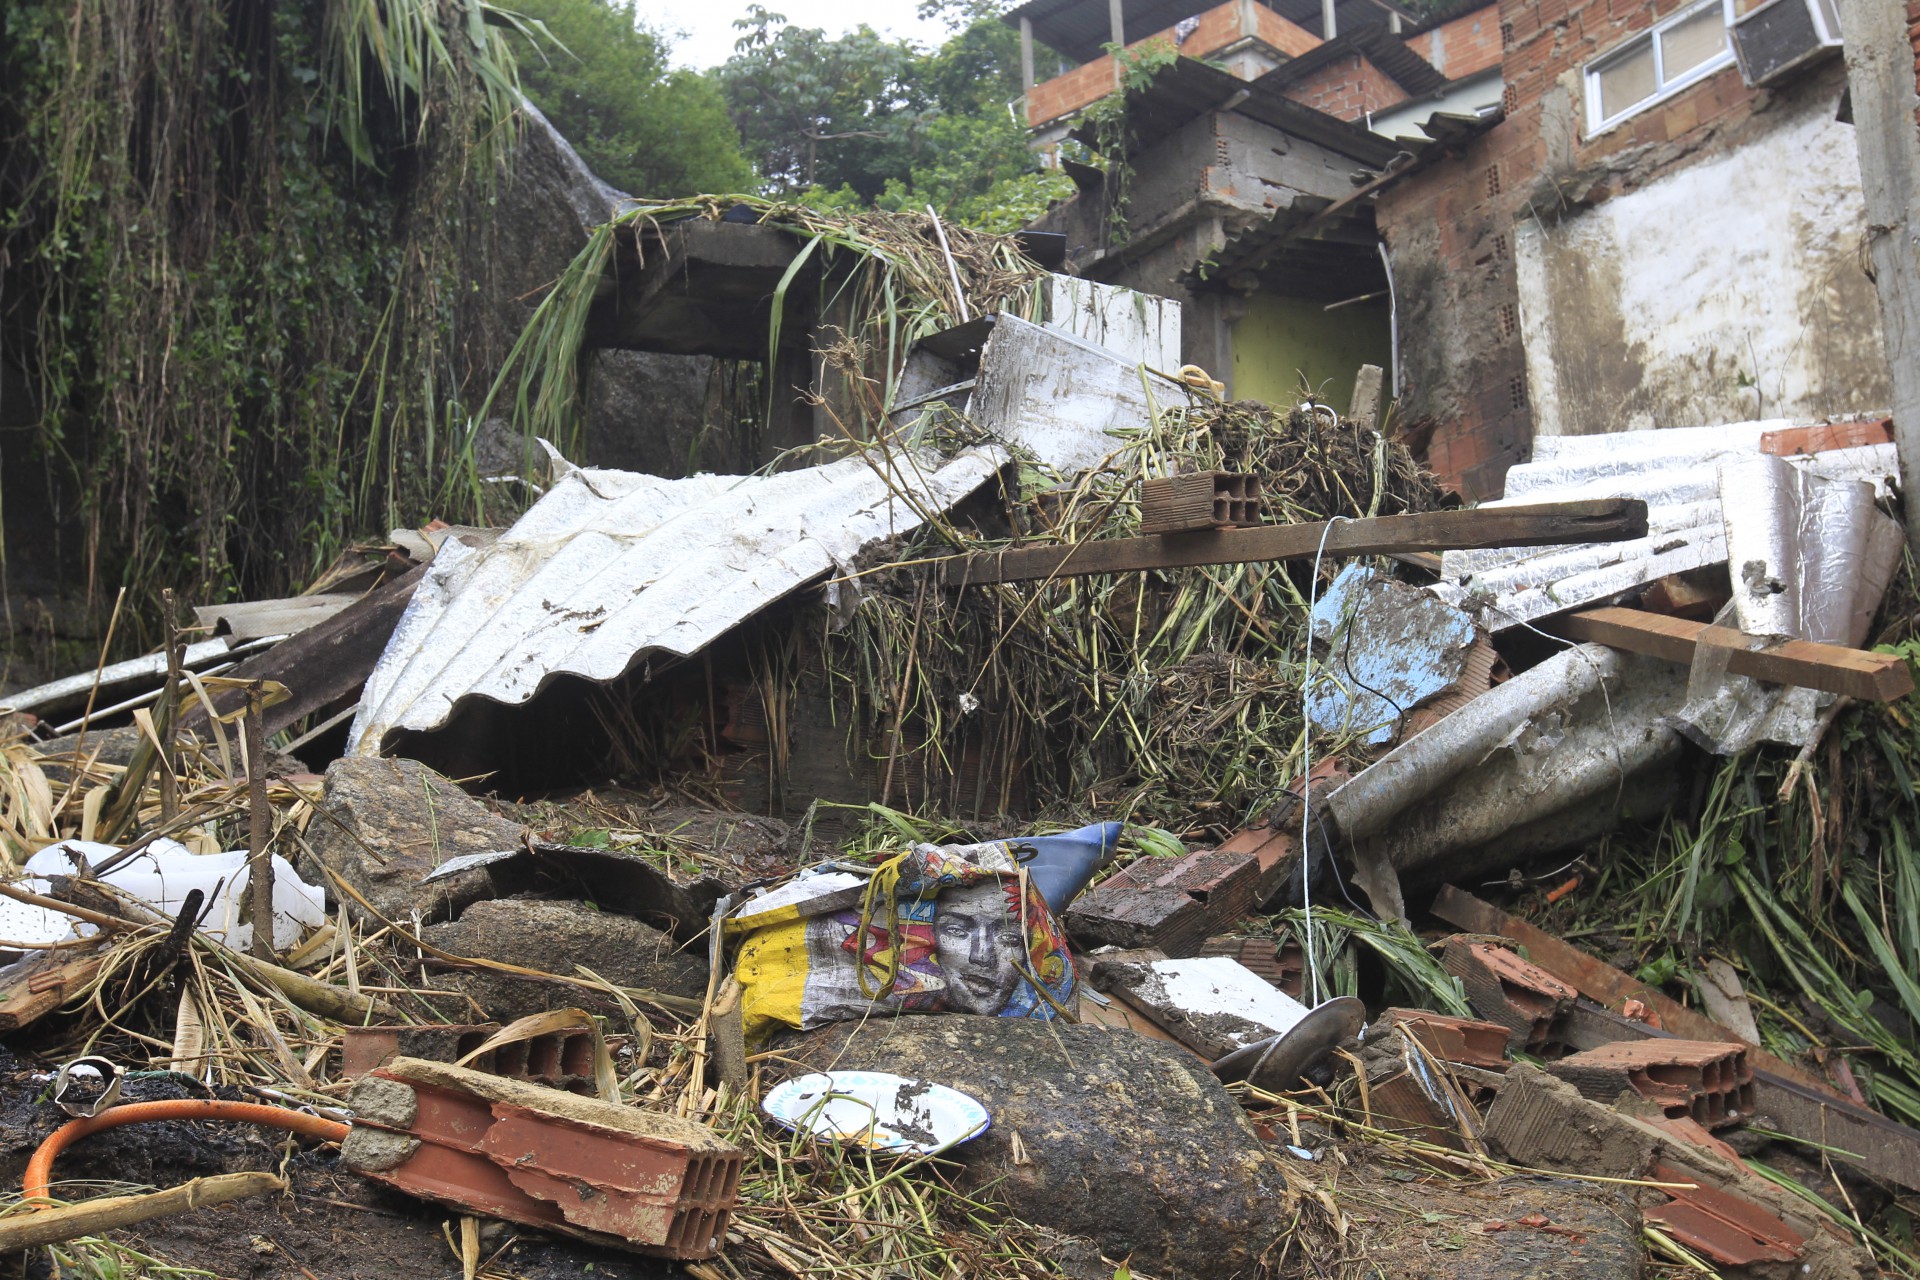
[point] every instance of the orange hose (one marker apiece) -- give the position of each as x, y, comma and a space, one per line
40, 1168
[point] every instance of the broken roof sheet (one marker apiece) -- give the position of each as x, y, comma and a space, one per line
1675, 470
612, 566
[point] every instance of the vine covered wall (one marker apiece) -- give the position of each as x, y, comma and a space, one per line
244, 308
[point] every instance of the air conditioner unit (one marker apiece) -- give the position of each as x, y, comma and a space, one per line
1781, 36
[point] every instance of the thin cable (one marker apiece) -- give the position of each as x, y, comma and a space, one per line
1306, 768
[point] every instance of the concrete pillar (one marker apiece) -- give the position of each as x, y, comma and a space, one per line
1328, 26
1118, 22
1026, 55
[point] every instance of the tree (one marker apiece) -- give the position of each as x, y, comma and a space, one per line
858, 120
816, 111
640, 125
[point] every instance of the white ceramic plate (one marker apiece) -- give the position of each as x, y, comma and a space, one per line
877, 1109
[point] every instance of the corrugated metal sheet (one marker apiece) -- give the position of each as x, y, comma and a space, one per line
1675, 470
611, 566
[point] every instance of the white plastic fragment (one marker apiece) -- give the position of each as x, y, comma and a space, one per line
162, 875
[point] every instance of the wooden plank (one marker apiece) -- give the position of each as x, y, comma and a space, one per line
1870, 677
1790, 441
322, 665
1541, 525
1856, 1134
34, 987
1601, 982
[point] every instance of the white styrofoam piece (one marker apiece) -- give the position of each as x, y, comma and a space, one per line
1222, 985
610, 566
1058, 398
165, 872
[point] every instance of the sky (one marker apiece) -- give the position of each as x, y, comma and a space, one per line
707, 33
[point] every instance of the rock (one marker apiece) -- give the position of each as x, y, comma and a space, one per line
1128, 1142
384, 824
647, 411
557, 937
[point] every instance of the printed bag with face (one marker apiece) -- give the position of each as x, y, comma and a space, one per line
940, 928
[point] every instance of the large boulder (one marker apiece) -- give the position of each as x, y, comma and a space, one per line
384, 824
557, 938
1127, 1141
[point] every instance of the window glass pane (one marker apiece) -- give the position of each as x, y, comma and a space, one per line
1625, 81
1688, 43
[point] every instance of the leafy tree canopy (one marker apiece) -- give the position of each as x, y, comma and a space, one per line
638, 123
858, 120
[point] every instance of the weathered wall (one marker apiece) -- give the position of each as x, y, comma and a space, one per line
1278, 340
1728, 290
1453, 233
1462, 46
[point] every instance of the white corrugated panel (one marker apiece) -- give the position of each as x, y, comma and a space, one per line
611, 566
1676, 471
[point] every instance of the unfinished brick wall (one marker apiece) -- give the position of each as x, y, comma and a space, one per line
1462, 46
1349, 88
1451, 228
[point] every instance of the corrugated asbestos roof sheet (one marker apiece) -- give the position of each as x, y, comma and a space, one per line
1675, 470
1386, 51
612, 566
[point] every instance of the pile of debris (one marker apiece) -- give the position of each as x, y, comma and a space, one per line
979, 892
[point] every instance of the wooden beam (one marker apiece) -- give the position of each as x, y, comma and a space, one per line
1601, 982
1542, 525
322, 665
93, 1217
1870, 677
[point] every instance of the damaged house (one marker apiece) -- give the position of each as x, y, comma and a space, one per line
1543, 219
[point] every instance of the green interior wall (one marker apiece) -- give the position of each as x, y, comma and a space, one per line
1278, 339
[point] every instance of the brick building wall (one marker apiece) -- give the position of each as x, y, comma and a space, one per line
1462, 46
1350, 88
1450, 229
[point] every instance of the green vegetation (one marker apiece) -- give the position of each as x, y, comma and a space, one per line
238, 273
860, 121
644, 127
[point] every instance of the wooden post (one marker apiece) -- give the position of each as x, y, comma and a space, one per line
1365, 406
1880, 75
260, 858
168, 712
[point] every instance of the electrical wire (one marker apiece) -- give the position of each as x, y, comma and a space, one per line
1306, 771
39, 1174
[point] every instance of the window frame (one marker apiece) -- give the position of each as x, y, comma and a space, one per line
1650, 38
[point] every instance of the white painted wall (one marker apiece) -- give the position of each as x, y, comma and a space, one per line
1140, 328
1728, 290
